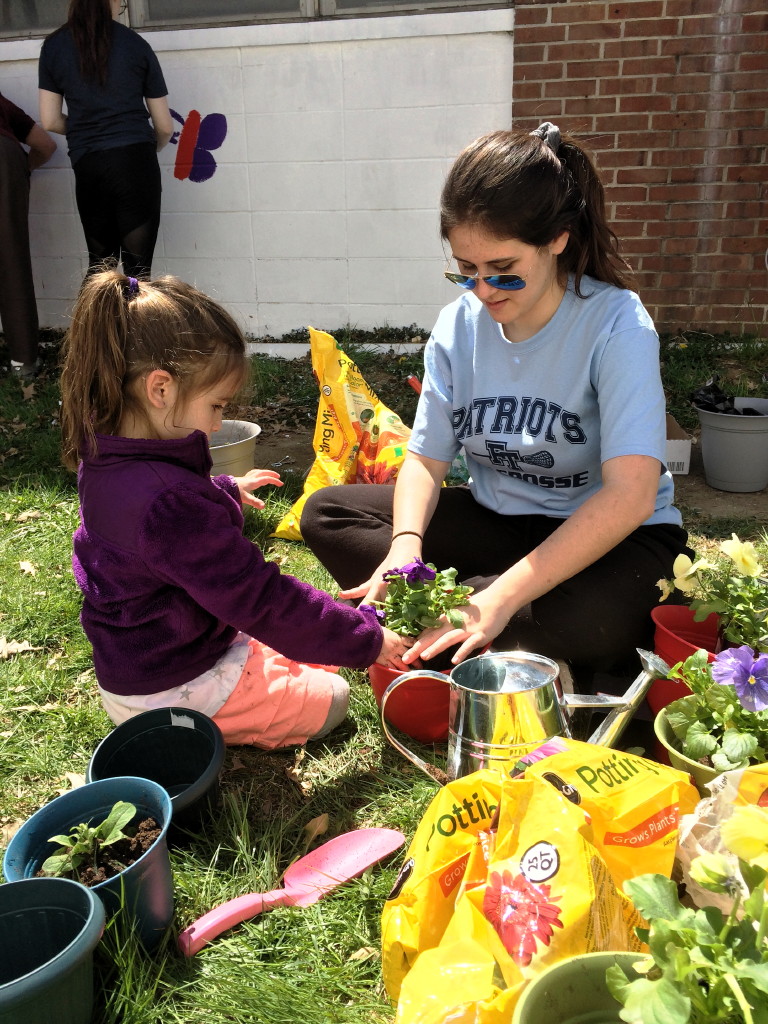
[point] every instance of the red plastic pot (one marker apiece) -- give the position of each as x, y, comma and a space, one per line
676, 637
419, 707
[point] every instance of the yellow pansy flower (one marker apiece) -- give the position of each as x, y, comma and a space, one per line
684, 572
743, 555
745, 834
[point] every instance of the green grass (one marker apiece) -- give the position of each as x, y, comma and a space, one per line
320, 964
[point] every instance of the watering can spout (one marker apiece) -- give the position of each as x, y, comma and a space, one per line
613, 725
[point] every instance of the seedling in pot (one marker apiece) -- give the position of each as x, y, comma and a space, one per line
83, 846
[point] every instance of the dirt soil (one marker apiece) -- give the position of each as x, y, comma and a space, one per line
288, 448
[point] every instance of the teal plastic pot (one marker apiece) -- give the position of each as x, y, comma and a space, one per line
574, 991
181, 749
49, 928
144, 890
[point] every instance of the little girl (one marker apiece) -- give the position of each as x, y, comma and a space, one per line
182, 609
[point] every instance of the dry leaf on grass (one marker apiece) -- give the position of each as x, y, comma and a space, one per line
75, 781
11, 647
28, 392
364, 953
28, 568
317, 827
31, 513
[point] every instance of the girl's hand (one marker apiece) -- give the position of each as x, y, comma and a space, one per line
393, 649
256, 478
484, 618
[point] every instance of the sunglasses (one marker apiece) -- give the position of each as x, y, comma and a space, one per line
507, 282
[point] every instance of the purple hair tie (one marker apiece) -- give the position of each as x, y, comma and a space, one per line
133, 287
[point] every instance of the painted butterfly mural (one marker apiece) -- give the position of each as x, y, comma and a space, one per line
197, 137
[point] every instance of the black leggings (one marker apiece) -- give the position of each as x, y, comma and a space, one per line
118, 199
595, 620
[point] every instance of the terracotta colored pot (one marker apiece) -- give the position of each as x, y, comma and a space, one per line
419, 708
676, 637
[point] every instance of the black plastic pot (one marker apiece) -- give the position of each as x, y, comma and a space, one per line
180, 749
49, 928
144, 890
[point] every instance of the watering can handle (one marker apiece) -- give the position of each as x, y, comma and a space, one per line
432, 773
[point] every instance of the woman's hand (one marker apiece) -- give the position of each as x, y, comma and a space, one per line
256, 478
484, 618
393, 649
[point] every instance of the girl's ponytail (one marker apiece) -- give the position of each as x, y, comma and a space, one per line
95, 364
533, 186
122, 329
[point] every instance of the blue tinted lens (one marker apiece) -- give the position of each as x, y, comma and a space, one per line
508, 282
462, 280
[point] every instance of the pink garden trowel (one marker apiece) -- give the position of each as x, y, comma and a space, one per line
305, 882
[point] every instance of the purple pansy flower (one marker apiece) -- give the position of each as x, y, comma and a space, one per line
372, 610
749, 675
414, 572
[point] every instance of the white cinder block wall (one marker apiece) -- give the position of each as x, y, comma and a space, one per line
322, 208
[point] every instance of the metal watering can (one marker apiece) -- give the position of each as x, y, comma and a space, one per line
504, 705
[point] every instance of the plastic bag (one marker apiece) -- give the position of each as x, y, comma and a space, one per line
357, 439
700, 830
481, 906
711, 398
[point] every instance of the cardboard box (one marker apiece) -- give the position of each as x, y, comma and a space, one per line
678, 448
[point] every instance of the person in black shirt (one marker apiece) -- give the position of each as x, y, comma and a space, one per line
106, 73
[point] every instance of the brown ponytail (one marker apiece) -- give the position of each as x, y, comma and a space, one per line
121, 330
90, 22
513, 185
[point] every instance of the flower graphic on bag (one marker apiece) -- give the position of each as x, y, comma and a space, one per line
522, 914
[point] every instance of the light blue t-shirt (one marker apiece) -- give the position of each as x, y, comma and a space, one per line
537, 418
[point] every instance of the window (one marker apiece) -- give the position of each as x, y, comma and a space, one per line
25, 18
31, 17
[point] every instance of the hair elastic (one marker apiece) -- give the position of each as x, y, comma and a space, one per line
550, 134
133, 287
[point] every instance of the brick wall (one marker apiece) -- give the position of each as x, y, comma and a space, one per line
671, 96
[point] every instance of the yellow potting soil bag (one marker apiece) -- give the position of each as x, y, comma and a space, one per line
455, 826
357, 439
532, 894
634, 804
488, 895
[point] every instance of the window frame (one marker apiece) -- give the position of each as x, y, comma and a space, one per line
137, 16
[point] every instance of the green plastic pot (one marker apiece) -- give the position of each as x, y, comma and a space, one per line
49, 928
574, 991
145, 888
181, 749
700, 773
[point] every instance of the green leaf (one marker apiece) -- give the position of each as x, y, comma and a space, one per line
738, 746
111, 829
655, 1002
57, 865
723, 763
655, 896
699, 742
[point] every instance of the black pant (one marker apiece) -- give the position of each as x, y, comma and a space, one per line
595, 620
18, 309
118, 199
